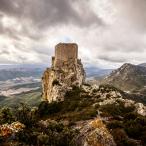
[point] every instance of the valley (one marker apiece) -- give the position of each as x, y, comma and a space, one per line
85, 110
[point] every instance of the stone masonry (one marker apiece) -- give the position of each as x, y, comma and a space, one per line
65, 72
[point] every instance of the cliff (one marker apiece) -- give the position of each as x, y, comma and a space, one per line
66, 71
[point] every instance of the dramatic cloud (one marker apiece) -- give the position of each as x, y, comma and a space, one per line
108, 32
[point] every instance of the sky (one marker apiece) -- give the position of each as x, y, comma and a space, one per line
108, 32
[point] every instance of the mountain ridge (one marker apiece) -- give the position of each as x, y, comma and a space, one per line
128, 77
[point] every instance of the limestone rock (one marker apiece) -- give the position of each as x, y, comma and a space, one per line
8, 130
66, 71
95, 133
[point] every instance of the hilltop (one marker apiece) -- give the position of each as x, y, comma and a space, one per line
128, 77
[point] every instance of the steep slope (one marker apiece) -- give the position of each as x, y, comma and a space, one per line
89, 116
128, 77
142, 64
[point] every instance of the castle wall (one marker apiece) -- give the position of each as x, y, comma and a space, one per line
65, 52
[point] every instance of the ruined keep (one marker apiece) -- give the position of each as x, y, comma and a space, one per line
66, 71
64, 53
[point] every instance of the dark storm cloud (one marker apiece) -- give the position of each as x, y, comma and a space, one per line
125, 46
110, 28
36, 16
4, 52
48, 12
112, 59
7, 6
134, 11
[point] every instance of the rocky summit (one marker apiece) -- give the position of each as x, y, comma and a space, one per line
65, 72
128, 77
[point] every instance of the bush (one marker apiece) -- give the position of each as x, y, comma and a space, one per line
55, 82
55, 134
74, 93
46, 108
43, 139
26, 115
136, 128
26, 136
87, 114
119, 136
130, 116
122, 139
114, 125
6, 116
117, 109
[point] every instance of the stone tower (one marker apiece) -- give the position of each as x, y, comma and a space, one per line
66, 71
65, 52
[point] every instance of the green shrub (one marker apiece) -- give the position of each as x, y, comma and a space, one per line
88, 114
43, 139
136, 128
117, 109
130, 116
46, 108
26, 115
74, 93
133, 129
114, 125
6, 116
26, 136
55, 82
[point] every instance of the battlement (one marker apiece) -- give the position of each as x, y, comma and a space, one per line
64, 52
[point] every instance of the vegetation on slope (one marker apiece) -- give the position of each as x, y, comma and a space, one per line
32, 98
52, 124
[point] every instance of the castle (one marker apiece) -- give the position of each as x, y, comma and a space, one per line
64, 53
66, 71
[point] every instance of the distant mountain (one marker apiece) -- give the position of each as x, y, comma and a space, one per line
142, 64
8, 72
26, 66
128, 77
94, 72
32, 98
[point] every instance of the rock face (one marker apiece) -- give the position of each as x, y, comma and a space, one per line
66, 71
95, 133
128, 77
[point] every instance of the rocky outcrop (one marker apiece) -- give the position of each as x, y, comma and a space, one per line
108, 94
66, 71
95, 133
7, 130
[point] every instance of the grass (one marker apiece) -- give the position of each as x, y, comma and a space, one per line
27, 85
74, 108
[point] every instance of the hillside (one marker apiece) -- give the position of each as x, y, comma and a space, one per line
32, 98
143, 64
19, 72
128, 77
88, 116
